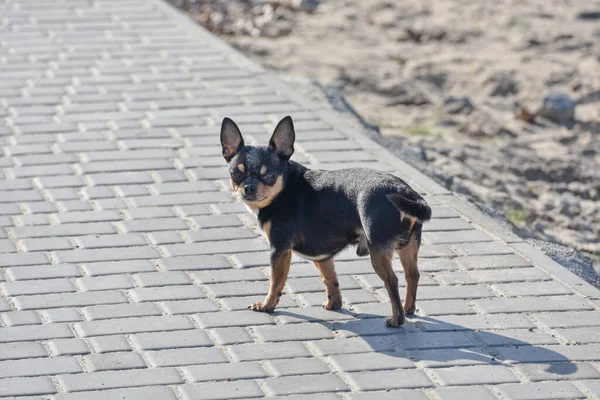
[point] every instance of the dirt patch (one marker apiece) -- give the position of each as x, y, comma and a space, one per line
482, 91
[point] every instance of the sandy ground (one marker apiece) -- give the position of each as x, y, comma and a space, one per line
446, 79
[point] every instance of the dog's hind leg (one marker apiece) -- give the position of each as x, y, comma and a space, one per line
332, 286
408, 257
382, 264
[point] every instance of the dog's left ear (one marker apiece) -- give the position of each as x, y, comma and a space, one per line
283, 138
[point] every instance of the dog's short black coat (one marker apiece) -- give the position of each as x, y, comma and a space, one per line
317, 214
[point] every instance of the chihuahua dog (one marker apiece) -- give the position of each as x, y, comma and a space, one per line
316, 214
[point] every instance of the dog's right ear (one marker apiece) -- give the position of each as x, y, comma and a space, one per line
231, 139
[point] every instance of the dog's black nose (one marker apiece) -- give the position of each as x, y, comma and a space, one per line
249, 189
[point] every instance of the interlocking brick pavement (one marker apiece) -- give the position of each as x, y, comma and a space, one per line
126, 263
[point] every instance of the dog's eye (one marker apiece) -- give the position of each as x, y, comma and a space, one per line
269, 177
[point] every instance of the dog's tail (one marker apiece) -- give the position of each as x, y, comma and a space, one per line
417, 209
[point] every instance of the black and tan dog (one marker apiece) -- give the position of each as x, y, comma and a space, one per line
317, 214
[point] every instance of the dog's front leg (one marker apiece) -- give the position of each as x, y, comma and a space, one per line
280, 266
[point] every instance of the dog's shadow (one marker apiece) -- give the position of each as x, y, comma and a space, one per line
436, 343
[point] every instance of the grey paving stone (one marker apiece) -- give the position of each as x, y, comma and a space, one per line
38, 366
119, 379
111, 254
144, 393
183, 292
149, 225
304, 384
533, 304
313, 314
42, 272
16, 318
224, 372
233, 318
189, 306
221, 390
215, 221
580, 335
592, 387
171, 340
459, 393
23, 259
177, 199
389, 380
444, 307
44, 286
469, 236
26, 386
46, 244
113, 361
15, 351
474, 322
104, 283
232, 289
297, 366
491, 261
558, 353
549, 288
540, 391
570, 319
187, 356
149, 212
76, 299
232, 335
118, 267
270, 351
301, 285
474, 375
351, 345
514, 337
212, 234
68, 347
164, 237
284, 333
435, 358
100, 241
510, 275
132, 325
190, 263
558, 371
225, 247
109, 344
150, 279
207, 277
63, 230
36, 332
61, 315
370, 361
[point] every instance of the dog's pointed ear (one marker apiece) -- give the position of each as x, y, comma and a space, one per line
283, 138
231, 139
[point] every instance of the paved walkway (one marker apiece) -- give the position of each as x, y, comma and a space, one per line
127, 265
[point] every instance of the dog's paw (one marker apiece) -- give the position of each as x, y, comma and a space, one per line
409, 310
395, 322
332, 304
261, 307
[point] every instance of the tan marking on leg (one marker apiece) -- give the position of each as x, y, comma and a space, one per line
332, 286
263, 170
408, 257
280, 267
241, 168
382, 264
266, 227
411, 219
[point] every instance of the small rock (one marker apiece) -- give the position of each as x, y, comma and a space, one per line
589, 15
557, 107
501, 84
458, 105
